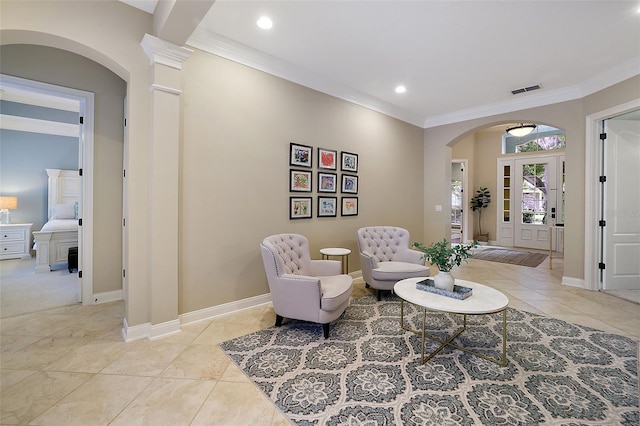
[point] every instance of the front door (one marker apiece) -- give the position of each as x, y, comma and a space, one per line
622, 205
534, 201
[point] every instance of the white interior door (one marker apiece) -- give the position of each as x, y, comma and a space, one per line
622, 205
534, 200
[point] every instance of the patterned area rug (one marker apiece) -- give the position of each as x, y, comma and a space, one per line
514, 257
368, 371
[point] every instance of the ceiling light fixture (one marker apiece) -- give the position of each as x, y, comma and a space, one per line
521, 130
401, 89
265, 23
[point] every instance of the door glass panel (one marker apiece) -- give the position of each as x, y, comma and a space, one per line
506, 210
534, 193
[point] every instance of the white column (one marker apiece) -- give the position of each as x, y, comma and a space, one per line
166, 62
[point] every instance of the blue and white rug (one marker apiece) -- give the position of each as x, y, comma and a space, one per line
368, 372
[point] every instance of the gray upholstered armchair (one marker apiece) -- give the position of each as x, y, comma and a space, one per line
386, 258
301, 288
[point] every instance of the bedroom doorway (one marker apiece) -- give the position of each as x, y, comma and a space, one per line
54, 97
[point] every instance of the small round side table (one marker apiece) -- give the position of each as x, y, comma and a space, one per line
337, 251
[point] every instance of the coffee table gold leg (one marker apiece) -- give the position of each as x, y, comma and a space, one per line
424, 321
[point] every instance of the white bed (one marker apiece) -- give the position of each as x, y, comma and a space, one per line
60, 233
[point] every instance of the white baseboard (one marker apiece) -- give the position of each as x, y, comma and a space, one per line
107, 296
165, 329
573, 282
224, 309
137, 332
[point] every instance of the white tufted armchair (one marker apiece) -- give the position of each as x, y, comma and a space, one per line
301, 288
386, 258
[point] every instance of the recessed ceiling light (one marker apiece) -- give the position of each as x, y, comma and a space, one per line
401, 89
265, 23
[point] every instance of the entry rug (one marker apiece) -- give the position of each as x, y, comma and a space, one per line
368, 372
513, 257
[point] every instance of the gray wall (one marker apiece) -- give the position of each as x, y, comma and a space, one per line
24, 156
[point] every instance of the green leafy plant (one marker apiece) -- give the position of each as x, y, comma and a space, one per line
480, 201
445, 257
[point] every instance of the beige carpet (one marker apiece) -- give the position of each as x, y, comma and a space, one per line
22, 290
514, 257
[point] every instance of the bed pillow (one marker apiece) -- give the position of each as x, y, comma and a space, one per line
62, 211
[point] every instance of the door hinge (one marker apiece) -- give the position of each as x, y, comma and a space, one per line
124, 173
602, 179
80, 222
124, 221
79, 274
603, 136
124, 273
601, 265
125, 122
602, 223
81, 120
79, 172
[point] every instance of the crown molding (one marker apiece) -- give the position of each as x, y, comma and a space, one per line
242, 54
163, 52
237, 52
614, 75
528, 101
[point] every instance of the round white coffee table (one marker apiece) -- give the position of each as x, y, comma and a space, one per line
337, 251
483, 301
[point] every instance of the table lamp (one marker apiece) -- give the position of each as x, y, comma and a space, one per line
6, 204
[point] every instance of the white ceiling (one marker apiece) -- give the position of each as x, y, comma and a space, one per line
458, 59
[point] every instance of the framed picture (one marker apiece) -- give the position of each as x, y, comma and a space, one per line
327, 159
350, 184
300, 181
327, 206
349, 206
327, 182
300, 155
300, 207
349, 162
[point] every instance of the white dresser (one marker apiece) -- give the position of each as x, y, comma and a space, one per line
14, 241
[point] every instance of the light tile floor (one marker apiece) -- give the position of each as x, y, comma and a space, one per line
69, 366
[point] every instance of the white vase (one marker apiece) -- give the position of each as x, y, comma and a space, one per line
444, 281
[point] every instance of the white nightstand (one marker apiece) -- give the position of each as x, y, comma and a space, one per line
14, 240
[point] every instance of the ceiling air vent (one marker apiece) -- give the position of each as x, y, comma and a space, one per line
525, 89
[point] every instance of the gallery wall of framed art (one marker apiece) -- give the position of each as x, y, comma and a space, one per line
328, 181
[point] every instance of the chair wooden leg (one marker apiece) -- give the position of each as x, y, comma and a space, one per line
366, 285
325, 327
278, 320
379, 292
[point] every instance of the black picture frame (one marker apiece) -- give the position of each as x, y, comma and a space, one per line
349, 206
300, 180
349, 184
327, 159
327, 182
327, 206
349, 162
300, 155
300, 207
